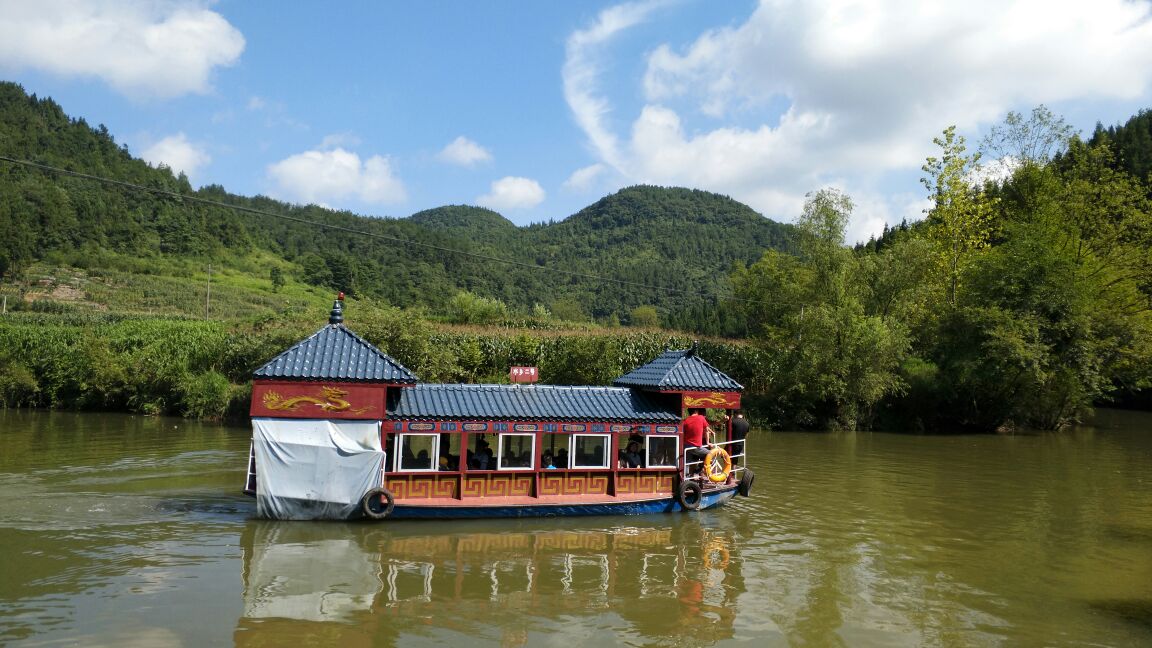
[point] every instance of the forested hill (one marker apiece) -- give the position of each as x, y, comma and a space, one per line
682, 240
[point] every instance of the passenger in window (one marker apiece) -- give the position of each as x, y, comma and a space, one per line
633, 458
562, 458
546, 460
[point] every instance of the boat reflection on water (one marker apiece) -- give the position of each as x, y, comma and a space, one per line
668, 583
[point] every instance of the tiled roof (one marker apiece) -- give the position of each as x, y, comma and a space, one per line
679, 370
528, 403
335, 353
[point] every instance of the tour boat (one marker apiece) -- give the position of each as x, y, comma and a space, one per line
340, 430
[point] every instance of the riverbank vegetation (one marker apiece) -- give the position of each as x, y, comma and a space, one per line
1022, 299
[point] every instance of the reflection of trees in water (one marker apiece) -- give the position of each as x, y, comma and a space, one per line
675, 583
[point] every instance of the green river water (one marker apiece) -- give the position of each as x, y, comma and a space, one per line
131, 531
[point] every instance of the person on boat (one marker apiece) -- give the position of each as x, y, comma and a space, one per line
697, 438
739, 431
632, 456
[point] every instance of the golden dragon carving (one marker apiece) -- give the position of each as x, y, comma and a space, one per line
332, 400
714, 398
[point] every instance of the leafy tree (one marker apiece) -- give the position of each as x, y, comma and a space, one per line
644, 316
960, 222
836, 362
1019, 141
468, 308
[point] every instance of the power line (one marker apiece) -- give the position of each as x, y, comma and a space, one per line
260, 212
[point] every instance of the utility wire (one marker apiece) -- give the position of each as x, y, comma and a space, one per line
240, 208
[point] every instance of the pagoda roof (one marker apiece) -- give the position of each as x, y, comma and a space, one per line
678, 371
336, 353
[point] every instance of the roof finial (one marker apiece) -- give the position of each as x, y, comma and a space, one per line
337, 315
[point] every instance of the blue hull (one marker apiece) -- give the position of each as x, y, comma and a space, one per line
709, 499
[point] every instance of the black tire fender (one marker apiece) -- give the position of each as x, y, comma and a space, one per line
746, 479
372, 505
689, 495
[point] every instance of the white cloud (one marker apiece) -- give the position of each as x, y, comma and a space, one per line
320, 177
585, 178
464, 152
512, 193
147, 49
804, 93
582, 72
178, 154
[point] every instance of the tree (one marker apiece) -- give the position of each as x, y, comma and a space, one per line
960, 222
277, 277
1017, 141
467, 308
836, 362
645, 316
822, 226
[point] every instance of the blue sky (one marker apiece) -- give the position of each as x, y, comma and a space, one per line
537, 109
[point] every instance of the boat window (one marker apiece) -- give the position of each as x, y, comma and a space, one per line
662, 450
590, 450
417, 452
554, 453
481, 456
516, 451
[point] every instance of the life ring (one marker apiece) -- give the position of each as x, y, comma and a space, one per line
689, 495
371, 503
745, 485
718, 458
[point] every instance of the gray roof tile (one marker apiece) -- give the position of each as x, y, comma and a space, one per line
528, 403
335, 353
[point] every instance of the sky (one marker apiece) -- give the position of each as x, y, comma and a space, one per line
537, 109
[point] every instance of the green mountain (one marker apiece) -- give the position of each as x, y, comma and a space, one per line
671, 248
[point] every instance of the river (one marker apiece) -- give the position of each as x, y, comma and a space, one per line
131, 531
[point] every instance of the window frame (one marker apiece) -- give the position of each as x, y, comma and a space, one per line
606, 447
500, 451
434, 453
648, 447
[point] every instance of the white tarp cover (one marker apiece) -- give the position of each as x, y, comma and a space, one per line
310, 469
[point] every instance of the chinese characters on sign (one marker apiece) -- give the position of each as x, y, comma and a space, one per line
523, 374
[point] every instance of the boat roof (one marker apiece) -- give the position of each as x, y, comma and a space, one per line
335, 353
681, 370
528, 403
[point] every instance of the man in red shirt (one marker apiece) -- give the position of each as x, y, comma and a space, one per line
697, 435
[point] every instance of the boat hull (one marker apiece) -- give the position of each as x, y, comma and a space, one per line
709, 499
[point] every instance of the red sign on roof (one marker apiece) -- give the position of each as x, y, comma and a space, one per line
523, 374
